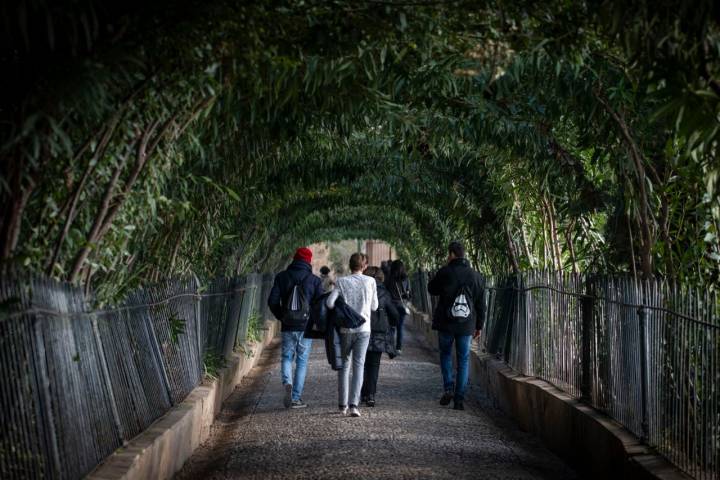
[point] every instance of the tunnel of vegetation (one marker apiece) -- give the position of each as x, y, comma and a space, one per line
213, 137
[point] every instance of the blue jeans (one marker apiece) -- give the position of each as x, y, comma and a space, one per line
462, 350
295, 347
354, 348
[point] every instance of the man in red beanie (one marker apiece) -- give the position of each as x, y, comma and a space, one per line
304, 254
293, 292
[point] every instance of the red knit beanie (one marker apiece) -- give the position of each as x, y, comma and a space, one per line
304, 254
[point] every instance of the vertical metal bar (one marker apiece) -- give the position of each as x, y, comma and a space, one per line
513, 296
642, 317
248, 299
106, 379
425, 300
46, 402
234, 312
155, 345
198, 320
588, 307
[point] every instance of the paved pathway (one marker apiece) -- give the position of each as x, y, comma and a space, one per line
407, 435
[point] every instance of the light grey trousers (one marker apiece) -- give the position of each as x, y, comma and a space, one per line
354, 346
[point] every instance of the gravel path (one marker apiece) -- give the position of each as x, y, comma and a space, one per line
407, 435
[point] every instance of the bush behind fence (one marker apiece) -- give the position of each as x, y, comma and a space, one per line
644, 352
78, 383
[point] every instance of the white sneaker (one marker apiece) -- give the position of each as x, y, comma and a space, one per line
287, 401
343, 410
354, 412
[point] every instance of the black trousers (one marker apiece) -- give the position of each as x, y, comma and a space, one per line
372, 369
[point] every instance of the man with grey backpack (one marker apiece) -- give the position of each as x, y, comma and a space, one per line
293, 293
458, 318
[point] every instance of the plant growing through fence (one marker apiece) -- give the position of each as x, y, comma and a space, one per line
254, 333
176, 326
255, 327
213, 362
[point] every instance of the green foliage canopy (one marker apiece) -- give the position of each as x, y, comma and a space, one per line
214, 137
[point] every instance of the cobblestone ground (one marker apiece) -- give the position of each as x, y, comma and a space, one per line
407, 435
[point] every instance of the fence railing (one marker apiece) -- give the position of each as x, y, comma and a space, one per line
644, 352
78, 383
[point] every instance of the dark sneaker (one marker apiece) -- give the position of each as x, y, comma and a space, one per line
287, 401
445, 399
370, 402
298, 404
458, 406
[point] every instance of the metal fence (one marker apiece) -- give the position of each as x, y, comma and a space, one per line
644, 352
77, 383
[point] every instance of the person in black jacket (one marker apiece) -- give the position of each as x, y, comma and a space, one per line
385, 267
398, 285
452, 325
382, 336
295, 345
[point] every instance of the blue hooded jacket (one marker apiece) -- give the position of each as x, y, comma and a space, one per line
283, 284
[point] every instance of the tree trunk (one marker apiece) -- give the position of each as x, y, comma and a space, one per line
545, 238
511, 251
665, 232
523, 233
97, 224
553, 243
143, 153
14, 222
554, 235
526, 244
241, 251
19, 196
146, 147
75, 197
644, 215
632, 246
571, 246
259, 266
175, 251
88, 279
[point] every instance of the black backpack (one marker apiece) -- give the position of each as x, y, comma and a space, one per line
379, 321
297, 306
461, 310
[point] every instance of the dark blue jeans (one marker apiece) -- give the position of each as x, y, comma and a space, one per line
400, 323
458, 385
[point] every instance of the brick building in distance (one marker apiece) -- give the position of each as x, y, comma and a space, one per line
378, 251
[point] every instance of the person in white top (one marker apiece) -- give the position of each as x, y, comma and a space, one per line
360, 293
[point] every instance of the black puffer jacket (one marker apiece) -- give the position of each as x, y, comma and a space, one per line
333, 349
383, 322
446, 284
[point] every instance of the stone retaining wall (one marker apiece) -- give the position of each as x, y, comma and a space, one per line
591, 442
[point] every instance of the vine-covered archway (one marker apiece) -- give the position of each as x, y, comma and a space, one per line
142, 141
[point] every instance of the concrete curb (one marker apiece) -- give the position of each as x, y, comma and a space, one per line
162, 449
591, 442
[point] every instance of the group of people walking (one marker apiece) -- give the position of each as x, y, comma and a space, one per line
361, 316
